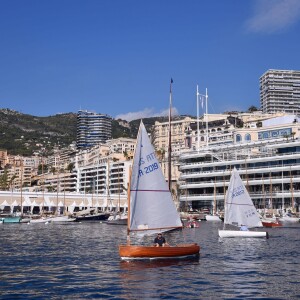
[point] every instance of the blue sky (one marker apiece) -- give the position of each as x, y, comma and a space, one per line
117, 56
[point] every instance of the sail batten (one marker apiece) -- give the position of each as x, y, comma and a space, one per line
152, 206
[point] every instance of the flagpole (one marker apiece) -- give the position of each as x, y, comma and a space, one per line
198, 133
170, 139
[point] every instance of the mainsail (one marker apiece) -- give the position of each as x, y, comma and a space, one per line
239, 208
151, 204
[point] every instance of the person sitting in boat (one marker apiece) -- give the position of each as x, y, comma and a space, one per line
160, 241
244, 228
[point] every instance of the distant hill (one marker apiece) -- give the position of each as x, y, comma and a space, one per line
24, 134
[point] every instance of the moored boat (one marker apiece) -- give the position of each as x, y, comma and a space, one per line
11, 219
289, 218
62, 219
93, 217
90, 214
117, 219
212, 218
271, 222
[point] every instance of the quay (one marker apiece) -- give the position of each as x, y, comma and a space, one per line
37, 202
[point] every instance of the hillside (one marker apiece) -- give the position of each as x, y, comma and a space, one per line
24, 134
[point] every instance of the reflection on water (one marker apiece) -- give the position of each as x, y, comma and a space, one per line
135, 265
81, 261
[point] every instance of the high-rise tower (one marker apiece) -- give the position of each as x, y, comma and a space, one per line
280, 91
92, 129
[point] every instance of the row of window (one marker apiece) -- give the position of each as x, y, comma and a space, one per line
238, 137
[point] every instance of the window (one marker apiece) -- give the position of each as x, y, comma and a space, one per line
238, 138
247, 137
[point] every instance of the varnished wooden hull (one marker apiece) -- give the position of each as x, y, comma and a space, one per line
144, 252
271, 224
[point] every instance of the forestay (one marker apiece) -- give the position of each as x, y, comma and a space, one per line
239, 208
151, 203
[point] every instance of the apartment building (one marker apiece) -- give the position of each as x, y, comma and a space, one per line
161, 134
121, 145
280, 91
92, 129
3, 158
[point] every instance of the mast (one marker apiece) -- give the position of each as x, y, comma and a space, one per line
128, 204
264, 195
170, 139
107, 185
206, 96
119, 200
21, 188
292, 189
198, 133
282, 187
43, 187
65, 209
271, 193
215, 199
57, 187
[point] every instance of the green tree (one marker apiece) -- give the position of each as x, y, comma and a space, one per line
70, 167
252, 108
4, 181
42, 168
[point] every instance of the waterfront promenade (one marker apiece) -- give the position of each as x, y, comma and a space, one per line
36, 200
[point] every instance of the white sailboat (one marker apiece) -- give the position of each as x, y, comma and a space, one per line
150, 205
239, 210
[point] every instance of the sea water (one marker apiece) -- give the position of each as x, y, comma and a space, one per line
81, 261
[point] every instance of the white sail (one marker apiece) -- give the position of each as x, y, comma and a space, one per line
151, 203
239, 208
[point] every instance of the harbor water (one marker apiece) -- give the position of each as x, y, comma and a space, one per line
81, 261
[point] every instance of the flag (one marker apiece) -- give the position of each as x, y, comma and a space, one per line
171, 80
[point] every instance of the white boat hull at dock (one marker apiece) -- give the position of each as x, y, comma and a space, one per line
212, 218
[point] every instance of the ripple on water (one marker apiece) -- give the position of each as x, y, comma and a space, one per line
81, 261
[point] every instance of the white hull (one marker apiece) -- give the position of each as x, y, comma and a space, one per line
62, 219
40, 220
289, 219
212, 218
242, 234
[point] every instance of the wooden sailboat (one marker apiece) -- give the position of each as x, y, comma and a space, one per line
239, 210
150, 206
